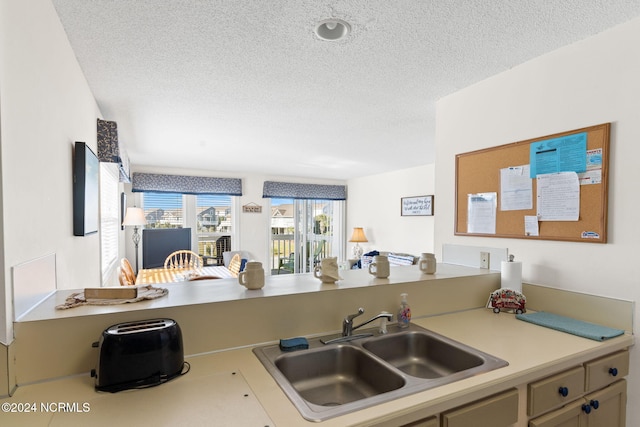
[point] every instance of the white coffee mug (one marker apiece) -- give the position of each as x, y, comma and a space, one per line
252, 277
379, 267
427, 263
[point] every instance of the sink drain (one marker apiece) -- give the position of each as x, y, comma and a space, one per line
331, 404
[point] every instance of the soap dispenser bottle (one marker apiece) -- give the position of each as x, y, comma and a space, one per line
404, 313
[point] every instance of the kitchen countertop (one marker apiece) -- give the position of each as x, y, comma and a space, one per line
228, 289
196, 398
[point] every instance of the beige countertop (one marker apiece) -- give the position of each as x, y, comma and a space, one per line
233, 388
223, 290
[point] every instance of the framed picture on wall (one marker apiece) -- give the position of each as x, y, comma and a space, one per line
416, 206
85, 190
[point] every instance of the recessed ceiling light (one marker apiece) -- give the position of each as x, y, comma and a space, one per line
332, 29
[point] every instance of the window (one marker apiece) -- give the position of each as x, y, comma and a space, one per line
109, 223
214, 222
208, 216
164, 210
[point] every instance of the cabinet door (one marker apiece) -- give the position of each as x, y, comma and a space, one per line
570, 415
611, 406
500, 410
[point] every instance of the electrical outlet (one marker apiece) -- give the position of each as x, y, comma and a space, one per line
484, 259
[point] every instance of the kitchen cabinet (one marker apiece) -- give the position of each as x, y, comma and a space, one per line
567, 416
555, 390
604, 371
412, 419
425, 422
588, 395
500, 410
611, 406
600, 401
609, 411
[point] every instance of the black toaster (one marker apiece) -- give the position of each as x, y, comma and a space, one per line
139, 354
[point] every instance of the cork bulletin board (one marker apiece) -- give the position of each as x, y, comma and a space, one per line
479, 172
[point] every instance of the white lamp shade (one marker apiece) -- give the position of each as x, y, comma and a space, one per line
134, 216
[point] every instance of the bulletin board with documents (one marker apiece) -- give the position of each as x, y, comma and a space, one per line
549, 188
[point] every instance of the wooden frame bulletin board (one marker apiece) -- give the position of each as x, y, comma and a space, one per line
479, 172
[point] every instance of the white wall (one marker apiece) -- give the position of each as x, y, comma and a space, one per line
45, 105
590, 82
374, 204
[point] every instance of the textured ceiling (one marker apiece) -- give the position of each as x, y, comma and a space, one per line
245, 85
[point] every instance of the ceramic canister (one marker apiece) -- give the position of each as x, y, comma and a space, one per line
427, 263
380, 266
252, 277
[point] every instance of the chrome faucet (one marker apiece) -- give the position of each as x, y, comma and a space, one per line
347, 323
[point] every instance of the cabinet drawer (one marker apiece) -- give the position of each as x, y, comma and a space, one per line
600, 372
545, 394
500, 410
567, 416
425, 422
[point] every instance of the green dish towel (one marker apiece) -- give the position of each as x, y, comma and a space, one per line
571, 326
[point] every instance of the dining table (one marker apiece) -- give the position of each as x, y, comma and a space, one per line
150, 276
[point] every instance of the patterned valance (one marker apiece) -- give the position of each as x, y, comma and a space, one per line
109, 149
292, 190
158, 183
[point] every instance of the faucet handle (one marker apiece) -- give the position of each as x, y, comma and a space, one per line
350, 317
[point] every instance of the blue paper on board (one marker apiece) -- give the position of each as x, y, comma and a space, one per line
563, 154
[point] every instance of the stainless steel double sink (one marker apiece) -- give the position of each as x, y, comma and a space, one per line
325, 381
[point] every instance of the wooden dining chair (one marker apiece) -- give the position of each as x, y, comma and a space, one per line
234, 265
183, 259
127, 276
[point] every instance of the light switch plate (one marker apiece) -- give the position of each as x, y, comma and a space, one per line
484, 259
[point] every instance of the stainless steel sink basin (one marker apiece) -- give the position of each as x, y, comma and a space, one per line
336, 375
330, 380
424, 355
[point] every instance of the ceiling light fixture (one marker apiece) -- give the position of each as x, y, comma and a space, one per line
332, 29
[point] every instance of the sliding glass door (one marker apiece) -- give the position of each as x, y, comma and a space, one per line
304, 231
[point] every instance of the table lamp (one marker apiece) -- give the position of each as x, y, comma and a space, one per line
358, 237
135, 217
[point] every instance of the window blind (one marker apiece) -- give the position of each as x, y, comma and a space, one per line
163, 210
109, 221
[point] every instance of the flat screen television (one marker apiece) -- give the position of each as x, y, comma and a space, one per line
159, 243
86, 174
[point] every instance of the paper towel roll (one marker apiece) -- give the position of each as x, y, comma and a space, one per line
511, 276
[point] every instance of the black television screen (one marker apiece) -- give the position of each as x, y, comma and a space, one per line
85, 190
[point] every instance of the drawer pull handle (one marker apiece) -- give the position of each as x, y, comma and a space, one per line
613, 372
564, 392
586, 408
594, 404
